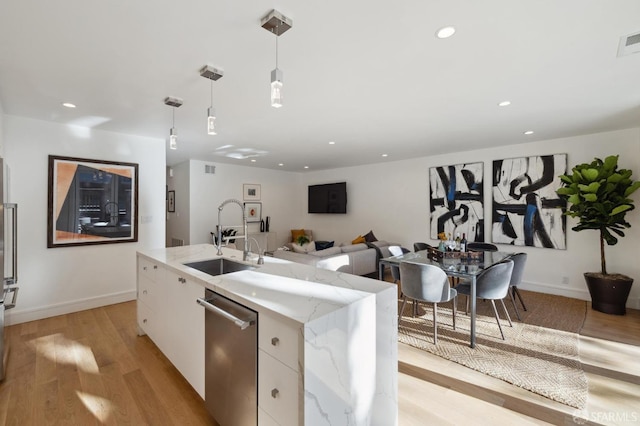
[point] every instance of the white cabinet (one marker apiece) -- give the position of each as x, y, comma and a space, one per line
280, 380
266, 241
169, 315
185, 326
150, 300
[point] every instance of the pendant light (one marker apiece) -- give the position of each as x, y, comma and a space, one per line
276, 23
173, 134
212, 74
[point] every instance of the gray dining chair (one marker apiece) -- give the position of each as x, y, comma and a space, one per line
395, 270
519, 261
476, 246
420, 246
492, 284
426, 283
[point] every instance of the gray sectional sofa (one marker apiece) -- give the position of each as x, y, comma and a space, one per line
357, 259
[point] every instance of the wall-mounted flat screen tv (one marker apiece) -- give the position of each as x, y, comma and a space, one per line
328, 198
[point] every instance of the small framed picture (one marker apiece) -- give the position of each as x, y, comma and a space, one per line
171, 202
253, 211
251, 192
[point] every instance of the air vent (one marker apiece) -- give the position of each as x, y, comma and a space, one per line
629, 44
209, 169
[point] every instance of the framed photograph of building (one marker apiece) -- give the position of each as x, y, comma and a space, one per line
91, 202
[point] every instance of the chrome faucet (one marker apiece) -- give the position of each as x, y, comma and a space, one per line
260, 257
245, 252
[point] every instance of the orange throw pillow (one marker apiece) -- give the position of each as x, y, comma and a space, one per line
360, 239
295, 233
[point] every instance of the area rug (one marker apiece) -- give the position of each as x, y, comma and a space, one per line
540, 352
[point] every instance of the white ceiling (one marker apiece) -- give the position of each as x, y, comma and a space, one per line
369, 75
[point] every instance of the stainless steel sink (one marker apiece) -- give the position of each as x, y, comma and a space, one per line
218, 266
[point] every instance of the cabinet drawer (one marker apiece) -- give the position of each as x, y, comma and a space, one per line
148, 292
147, 269
264, 419
147, 320
280, 340
278, 388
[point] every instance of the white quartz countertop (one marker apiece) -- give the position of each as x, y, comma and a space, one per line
296, 292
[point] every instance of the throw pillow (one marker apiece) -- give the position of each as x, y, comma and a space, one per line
321, 245
295, 233
360, 239
311, 246
370, 237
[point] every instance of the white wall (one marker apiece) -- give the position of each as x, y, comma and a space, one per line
60, 280
178, 222
392, 199
279, 198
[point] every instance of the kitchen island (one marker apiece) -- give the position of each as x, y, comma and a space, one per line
335, 357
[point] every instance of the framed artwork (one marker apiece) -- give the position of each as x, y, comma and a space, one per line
91, 202
526, 210
253, 211
171, 202
456, 200
251, 192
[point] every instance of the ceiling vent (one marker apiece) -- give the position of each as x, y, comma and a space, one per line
209, 169
629, 44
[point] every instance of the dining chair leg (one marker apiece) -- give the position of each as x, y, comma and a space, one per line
515, 306
455, 302
506, 312
517, 292
404, 302
435, 323
466, 311
495, 311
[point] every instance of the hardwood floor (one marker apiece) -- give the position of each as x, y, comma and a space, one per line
90, 367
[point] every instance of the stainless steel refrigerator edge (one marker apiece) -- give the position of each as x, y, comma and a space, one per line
8, 259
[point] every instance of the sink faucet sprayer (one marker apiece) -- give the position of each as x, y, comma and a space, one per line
245, 252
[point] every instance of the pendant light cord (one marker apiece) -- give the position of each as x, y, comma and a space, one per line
211, 93
173, 113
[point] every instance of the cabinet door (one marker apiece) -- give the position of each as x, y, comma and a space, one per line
278, 390
185, 328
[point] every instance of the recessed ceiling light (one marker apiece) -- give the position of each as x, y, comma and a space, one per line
504, 103
253, 160
528, 132
385, 155
306, 167
332, 143
445, 32
68, 105
281, 164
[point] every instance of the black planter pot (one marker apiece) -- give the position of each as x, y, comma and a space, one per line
609, 293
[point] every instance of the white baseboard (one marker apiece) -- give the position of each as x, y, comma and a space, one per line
17, 316
583, 294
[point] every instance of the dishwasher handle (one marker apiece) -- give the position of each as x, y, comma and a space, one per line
216, 310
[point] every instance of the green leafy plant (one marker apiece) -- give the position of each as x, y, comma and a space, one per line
598, 195
302, 240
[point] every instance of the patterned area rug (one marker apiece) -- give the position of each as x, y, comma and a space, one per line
540, 352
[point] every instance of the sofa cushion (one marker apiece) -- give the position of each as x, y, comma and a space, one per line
353, 247
331, 251
306, 248
321, 245
369, 237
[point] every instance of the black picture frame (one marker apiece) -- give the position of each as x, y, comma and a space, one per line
91, 202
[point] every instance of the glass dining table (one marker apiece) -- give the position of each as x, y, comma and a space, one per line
468, 268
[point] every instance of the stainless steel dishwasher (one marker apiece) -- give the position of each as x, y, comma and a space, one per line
231, 361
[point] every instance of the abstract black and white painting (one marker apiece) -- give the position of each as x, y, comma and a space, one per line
456, 200
526, 210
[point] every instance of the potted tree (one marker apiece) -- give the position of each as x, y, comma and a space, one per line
598, 195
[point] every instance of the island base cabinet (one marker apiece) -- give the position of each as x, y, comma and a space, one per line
278, 388
265, 420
